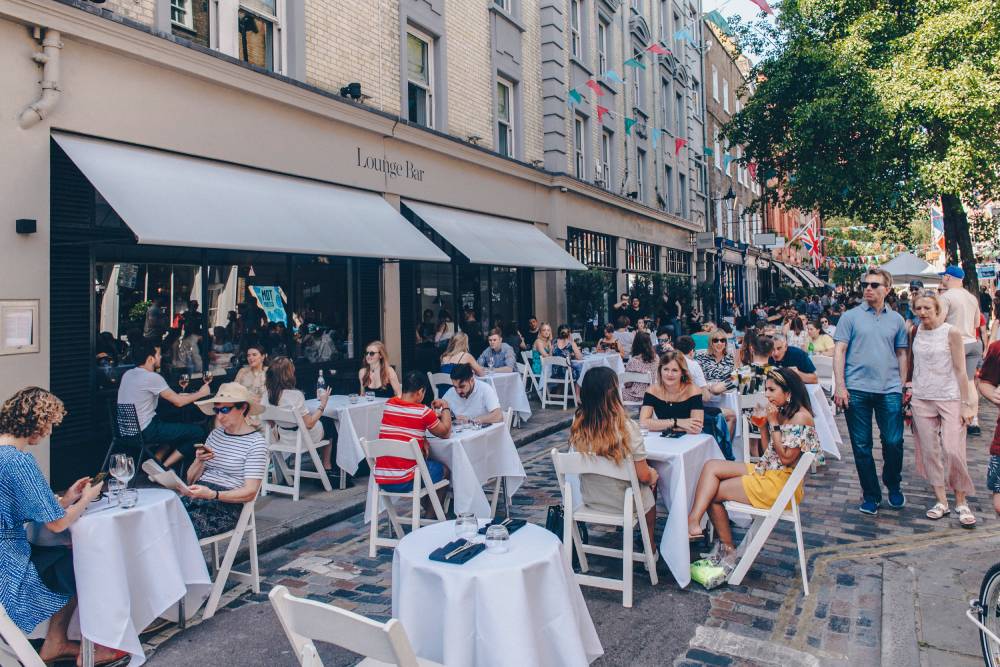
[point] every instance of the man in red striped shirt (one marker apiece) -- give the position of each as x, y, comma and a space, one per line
407, 417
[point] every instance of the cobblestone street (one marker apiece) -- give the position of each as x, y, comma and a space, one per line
872, 579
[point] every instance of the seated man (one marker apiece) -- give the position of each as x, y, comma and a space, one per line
407, 417
499, 356
471, 398
142, 387
789, 356
623, 335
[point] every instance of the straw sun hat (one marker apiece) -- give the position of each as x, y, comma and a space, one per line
230, 392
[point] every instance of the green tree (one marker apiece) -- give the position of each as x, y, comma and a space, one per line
869, 109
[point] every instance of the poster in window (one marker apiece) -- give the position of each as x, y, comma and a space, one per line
271, 300
127, 275
18, 327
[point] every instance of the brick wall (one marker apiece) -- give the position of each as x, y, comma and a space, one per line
469, 77
531, 84
142, 11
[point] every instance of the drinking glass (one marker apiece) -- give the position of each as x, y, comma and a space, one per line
370, 396
353, 398
491, 365
183, 381
497, 540
129, 498
207, 377
122, 468
112, 491
466, 526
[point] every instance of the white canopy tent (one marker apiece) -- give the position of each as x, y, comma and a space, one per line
906, 266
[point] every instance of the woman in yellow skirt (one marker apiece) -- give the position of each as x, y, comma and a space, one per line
790, 432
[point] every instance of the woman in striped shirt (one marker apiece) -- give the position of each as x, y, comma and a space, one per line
230, 466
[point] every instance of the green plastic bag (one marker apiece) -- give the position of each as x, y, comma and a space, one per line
708, 574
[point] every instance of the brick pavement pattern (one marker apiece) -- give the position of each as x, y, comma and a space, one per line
764, 621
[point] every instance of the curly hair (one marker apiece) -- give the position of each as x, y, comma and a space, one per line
30, 412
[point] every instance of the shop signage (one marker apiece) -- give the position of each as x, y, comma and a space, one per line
764, 239
270, 298
987, 271
391, 168
704, 240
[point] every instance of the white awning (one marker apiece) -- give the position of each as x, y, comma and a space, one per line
811, 278
487, 239
788, 274
177, 200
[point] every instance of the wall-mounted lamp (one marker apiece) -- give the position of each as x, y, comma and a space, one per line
25, 226
474, 139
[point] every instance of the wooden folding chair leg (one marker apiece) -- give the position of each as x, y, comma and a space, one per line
254, 563
753, 549
800, 543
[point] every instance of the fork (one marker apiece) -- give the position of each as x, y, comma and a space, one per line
455, 552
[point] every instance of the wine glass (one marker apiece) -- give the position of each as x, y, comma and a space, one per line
491, 365
207, 376
122, 468
466, 525
183, 381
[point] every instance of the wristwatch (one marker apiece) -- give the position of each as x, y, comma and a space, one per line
216, 494
675, 422
774, 428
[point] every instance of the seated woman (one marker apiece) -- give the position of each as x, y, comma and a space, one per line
643, 360
281, 393
39, 583
790, 432
673, 402
542, 347
377, 375
229, 468
820, 342
758, 356
609, 343
602, 428
566, 348
457, 353
254, 374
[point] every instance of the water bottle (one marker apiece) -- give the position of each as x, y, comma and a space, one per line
320, 384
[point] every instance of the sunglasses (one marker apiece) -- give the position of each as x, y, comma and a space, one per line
718, 340
872, 285
224, 410
371, 353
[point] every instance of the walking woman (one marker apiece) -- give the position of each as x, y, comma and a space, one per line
790, 432
38, 583
940, 405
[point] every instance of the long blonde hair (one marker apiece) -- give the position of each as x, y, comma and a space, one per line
459, 343
600, 423
384, 368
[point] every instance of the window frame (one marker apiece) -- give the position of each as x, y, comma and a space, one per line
185, 6
680, 113
715, 83
503, 83
580, 147
668, 182
640, 175
602, 45
504, 5
429, 87
638, 82
682, 198
279, 48
576, 29
725, 94
606, 145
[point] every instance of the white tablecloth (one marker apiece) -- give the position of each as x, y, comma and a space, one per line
826, 427
354, 421
510, 391
473, 456
523, 608
612, 360
679, 462
132, 566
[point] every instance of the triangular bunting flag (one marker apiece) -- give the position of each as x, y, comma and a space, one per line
656, 135
679, 143
612, 75
726, 159
752, 168
764, 7
600, 112
594, 86
684, 35
709, 152
657, 49
629, 122
632, 62
575, 97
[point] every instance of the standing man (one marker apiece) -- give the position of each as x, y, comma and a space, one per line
869, 365
960, 309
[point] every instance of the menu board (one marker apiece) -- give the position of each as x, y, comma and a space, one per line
18, 327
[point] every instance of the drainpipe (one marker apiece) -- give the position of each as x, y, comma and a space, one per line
48, 58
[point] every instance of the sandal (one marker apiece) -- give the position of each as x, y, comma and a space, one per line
966, 517
939, 510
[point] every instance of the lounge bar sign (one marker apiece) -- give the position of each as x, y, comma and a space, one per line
391, 168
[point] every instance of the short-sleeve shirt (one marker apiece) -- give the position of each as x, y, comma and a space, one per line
821, 344
991, 373
483, 400
961, 310
697, 372
403, 421
295, 400
142, 389
716, 371
872, 340
501, 358
796, 357
237, 458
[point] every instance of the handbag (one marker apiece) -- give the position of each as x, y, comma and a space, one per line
555, 522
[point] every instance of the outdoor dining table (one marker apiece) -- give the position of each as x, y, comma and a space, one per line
520, 608
678, 461
361, 419
133, 566
473, 456
510, 390
612, 360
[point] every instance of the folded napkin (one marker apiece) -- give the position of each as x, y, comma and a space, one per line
459, 558
512, 527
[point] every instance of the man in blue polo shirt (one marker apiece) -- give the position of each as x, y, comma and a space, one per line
869, 365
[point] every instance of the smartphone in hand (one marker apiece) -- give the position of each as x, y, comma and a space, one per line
98, 478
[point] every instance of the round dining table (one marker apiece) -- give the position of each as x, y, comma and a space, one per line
522, 608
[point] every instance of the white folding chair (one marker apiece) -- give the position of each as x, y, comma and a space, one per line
15, 650
632, 376
764, 521
436, 379
824, 372
577, 337
246, 526
573, 463
501, 483
531, 379
304, 621
565, 382
281, 442
422, 486
750, 432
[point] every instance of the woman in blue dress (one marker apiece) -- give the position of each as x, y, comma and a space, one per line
37, 583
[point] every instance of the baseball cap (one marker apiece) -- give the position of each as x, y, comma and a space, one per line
916, 284
954, 271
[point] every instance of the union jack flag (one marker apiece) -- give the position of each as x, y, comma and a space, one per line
811, 244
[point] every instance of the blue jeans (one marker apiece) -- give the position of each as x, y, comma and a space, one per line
888, 409
434, 468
